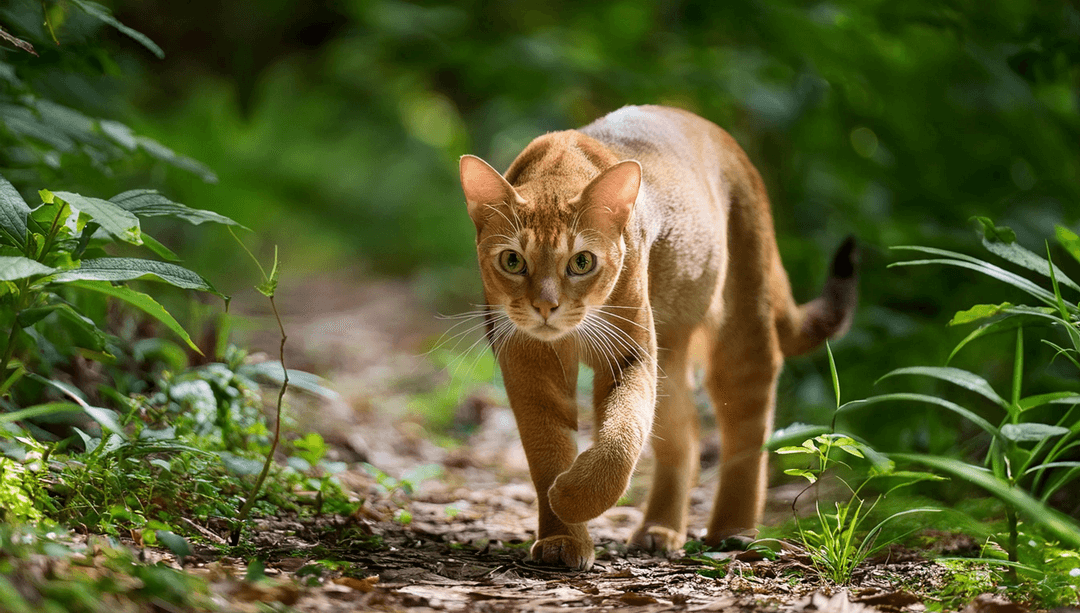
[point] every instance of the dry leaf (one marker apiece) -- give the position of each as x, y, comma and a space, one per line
364, 585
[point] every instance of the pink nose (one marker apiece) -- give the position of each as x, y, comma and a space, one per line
545, 307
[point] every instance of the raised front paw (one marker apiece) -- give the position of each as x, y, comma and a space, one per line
566, 550
658, 539
587, 490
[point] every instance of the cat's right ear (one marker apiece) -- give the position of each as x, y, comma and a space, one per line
484, 188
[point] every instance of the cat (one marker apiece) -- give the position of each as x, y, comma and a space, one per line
614, 245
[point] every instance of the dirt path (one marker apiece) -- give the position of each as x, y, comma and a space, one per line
458, 542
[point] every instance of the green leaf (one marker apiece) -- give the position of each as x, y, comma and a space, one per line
119, 133
51, 408
1002, 234
1052, 398
956, 376
163, 153
106, 418
1055, 522
306, 381
1030, 432
794, 449
269, 286
141, 301
970, 263
802, 472
112, 218
161, 250
127, 269
150, 203
105, 15
13, 268
240, 465
1020, 256
176, 543
795, 433
13, 213
977, 312
1017, 316
1069, 240
951, 406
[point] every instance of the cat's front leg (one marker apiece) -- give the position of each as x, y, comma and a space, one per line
600, 475
541, 381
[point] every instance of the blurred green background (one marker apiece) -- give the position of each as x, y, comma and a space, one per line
334, 129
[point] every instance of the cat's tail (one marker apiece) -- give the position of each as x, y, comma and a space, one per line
805, 326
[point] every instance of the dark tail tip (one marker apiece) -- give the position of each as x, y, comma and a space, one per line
845, 264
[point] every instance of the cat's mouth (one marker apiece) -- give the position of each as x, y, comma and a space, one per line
547, 332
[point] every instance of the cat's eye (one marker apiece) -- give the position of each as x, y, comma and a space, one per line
512, 262
581, 263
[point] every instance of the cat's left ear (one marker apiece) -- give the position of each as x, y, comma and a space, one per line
611, 196
484, 187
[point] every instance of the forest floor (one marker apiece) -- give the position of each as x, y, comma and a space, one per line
458, 541
446, 526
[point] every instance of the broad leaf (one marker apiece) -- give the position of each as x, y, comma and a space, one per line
176, 543
1055, 522
150, 203
105, 15
14, 268
951, 406
795, 433
802, 472
127, 269
13, 212
161, 250
1069, 240
141, 301
1030, 432
163, 153
957, 376
119, 133
297, 378
977, 312
106, 418
118, 222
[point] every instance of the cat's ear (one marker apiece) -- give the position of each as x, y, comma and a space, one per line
483, 187
611, 196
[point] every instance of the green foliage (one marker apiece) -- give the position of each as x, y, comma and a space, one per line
56, 272
1030, 450
41, 571
838, 546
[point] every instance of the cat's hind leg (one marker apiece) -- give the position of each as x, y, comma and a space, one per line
744, 366
675, 450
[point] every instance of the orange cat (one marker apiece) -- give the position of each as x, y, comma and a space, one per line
614, 245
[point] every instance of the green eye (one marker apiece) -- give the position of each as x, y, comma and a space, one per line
581, 263
512, 262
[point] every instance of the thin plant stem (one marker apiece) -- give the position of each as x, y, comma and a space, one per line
250, 502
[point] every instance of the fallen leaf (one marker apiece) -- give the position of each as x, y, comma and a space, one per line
364, 585
635, 599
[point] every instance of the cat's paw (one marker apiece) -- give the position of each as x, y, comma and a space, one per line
588, 489
658, 539
566, 550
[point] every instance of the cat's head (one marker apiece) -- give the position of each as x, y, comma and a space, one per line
550, 251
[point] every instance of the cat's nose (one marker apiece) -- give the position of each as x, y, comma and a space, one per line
545, 307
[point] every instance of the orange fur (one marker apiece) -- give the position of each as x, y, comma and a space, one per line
614, 245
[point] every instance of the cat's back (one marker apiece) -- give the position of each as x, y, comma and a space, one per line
690, 167
687, 160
